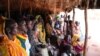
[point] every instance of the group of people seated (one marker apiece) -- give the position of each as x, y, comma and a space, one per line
54, 36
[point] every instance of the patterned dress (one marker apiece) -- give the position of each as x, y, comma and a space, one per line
23, 38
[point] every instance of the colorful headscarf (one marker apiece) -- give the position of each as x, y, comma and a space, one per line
37, 17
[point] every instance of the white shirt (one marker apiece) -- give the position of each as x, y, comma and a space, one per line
28, 46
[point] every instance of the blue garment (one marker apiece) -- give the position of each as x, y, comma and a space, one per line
57, 25
32, 42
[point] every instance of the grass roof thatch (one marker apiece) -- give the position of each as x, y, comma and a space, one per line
31, 5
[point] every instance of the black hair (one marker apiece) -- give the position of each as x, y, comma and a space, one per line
9, 25
20, 21
28, 20
68, 17
77, 23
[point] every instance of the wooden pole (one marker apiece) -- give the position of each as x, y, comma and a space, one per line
73, 20
49, 3
73, 14
9, 9
55, 8
21, 7
30, 8
61, 4
86, 27
95, 3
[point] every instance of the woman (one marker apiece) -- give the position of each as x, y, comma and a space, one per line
30, 34
41, 35
10, 45
76, 40
40, 29
23, 37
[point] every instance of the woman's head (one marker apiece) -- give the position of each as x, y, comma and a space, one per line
11, 27
77, 23
29, 24
22, 26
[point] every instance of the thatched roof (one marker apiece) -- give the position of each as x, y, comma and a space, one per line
50, 5
93, 4
43, 5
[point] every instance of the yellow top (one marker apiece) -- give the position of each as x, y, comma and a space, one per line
74, 39
41, 33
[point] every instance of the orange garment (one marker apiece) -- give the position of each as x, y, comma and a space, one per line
11, 48
24, 42
22, 38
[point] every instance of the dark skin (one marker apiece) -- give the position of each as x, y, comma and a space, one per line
30, 25
22, 27
1, 23
1, 38
10, 30
13, 31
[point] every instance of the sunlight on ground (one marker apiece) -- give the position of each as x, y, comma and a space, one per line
93, 29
